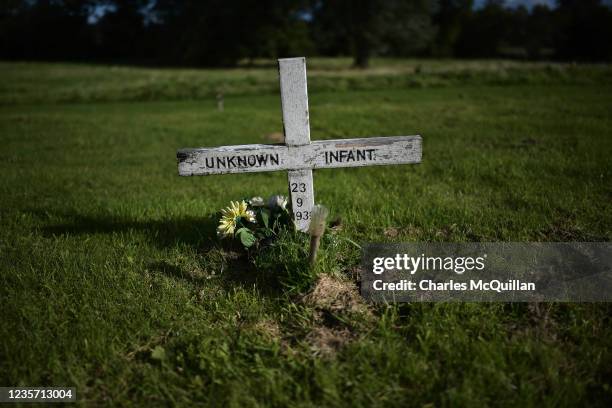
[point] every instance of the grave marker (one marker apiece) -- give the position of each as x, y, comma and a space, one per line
299, 156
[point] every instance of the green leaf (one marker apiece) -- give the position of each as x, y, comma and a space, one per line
246, 237
158, 353
265, 217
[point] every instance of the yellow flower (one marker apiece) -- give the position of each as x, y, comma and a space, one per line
226, 228
230, 216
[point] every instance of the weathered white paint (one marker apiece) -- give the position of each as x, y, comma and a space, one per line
320, 154
294, 102
298, 155
301, 189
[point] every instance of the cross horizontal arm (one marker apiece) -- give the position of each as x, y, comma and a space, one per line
316, 155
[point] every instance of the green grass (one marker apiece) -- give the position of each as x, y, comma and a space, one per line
111, 279
25, 83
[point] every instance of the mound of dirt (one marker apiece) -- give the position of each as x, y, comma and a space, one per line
326, 341
335, 295
335, 301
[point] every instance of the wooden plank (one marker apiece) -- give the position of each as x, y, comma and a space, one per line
294, 102
317, 155
301, 191
232, 159
372, 151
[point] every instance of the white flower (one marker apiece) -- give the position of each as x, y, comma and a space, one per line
257, 202
250, 216
277, 201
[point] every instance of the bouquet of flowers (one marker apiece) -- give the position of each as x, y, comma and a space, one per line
254, 220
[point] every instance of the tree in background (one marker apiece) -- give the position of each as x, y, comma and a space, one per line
121, 34
585, 30
363, 28
485, 31
451, 18
539, 40
575, 30
225, 32
44, 29
221, 32
196, 32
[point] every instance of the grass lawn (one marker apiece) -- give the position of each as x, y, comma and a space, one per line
112, 280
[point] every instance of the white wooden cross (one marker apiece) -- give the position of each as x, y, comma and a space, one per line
298, 155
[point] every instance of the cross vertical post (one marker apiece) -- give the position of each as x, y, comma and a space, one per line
294, 101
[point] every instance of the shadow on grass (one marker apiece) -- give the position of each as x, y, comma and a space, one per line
198, 232
229, 262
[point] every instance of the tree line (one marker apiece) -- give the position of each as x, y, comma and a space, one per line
224, 32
